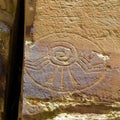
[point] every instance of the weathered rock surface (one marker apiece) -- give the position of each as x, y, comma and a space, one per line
6, 19
4, 40
72, 62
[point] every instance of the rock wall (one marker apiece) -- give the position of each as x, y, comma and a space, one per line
6, 19
72, 60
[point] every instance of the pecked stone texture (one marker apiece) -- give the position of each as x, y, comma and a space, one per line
73, 58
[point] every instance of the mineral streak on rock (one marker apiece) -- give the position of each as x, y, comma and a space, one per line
74, 51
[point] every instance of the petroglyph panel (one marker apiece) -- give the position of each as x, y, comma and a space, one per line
62, 67
74, 51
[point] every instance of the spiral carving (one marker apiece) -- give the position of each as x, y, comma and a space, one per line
63, 54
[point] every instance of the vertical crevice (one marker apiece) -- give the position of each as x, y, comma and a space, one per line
15, 63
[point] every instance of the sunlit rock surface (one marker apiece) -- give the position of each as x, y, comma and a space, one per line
72, 60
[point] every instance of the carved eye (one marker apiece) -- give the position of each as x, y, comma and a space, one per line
91, 56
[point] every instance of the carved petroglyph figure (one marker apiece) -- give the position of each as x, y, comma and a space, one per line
60, 67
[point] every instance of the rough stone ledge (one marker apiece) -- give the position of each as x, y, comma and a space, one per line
71, 108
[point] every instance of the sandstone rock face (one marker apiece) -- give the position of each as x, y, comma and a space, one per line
73, 59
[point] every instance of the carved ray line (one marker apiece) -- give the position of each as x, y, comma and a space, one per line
33, 68
83, 57
98, 68
36, 64
53, 76
74, 81
88, 62
85, 61
93, 68
36, 60
62, 77
97, 64
38, 84
83, 67
87, 71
